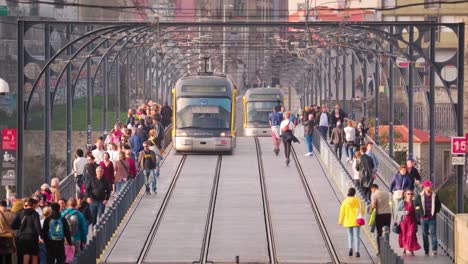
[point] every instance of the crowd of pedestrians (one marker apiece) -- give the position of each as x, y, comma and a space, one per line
47, 228
409, 207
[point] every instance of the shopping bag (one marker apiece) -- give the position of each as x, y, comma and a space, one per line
372, 218
69, 253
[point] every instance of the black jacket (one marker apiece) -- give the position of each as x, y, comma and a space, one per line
98, 190
28, 224
365, 165
86, 211
414, 175
309, 126
46, 228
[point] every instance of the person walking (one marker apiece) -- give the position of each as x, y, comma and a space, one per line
83, 207
349, 212
309, 126
337, 139
399, 183
108, 167
324, 122
121, 172
147, 163
365, 166
274, 120
350, 137
136, 143
370, 153
166, 114
427, 204
98, 153
28, 232
383, 215
356, 176
413, 173
406, 212
287, 135
98, 192
132, 167
7, 235
55, 231
77, 223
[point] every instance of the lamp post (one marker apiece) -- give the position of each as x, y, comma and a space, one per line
224, 36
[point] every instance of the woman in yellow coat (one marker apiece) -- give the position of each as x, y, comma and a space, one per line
348, 218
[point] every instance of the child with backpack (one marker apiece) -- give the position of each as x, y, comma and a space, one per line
77, 224
55, 231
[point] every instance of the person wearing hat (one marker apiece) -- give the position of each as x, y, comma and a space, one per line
413, 173
427, 205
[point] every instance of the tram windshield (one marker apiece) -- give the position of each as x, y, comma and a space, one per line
203, 113
258, 112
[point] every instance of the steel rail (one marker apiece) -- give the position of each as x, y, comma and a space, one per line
314, 205
210, 215
162, 210
266, 207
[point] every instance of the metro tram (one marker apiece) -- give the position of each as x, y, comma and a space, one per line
258, 104
204, 114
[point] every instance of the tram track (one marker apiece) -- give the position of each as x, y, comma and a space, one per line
210, 215
154, 228
314, 205
266, 207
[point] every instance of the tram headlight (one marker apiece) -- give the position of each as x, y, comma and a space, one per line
225, 134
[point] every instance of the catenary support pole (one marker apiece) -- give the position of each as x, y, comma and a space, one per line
20, 109
410, 93
460, 86
364, 88
376, 98
69, 106
432, 69
47, 105
353, 86
391, 114
343, 78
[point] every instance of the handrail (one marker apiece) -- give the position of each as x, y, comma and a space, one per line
114, 214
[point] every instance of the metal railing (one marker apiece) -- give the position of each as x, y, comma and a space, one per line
67, 186
445, 218
336, 169
387, 255
114, 214
110, 220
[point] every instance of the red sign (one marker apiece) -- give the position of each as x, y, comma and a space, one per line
9, 139
466, 139
458, 145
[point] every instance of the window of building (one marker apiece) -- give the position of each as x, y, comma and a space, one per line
389, 3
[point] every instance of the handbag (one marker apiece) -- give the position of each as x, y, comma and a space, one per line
69, 253
396, 228
359, 219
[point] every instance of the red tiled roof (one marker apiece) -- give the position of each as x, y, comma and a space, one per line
327, 14
419, 136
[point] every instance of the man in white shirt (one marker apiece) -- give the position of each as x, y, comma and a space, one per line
79, 165
324, 121
98, 153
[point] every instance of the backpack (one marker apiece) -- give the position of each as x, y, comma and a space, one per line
72, 220
56, 232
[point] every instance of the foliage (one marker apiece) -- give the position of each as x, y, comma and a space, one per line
448, 196
79, 115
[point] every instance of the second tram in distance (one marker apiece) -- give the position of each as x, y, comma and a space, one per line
204, 114
258, 104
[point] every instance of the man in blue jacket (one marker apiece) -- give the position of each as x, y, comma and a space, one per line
77, 225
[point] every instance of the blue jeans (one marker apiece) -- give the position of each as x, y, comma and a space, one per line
308, 139
323, 130
350, 149
429, 225
97, 209
119, 185
150, 179
353, 235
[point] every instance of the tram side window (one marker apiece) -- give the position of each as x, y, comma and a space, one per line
213, 113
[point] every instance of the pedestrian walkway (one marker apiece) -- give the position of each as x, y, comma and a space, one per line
238, 224
419, 257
